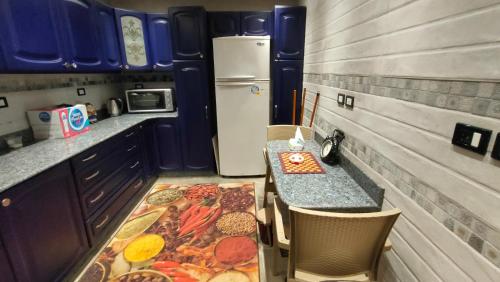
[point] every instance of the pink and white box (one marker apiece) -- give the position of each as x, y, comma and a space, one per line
48, 123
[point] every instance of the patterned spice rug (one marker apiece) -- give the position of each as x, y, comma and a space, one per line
184, 233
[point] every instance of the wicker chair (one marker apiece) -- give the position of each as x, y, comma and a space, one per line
328, 246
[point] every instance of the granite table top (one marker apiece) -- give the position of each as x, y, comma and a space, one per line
26, 162
334, 190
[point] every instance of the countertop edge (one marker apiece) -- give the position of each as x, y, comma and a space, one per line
19, 174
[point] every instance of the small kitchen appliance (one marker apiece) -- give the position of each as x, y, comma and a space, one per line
115, 107
150, 100
330, 148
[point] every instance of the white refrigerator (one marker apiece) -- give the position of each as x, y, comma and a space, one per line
242, 93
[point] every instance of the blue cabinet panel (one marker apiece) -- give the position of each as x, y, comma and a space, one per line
160, 41
224, 24
168, 145
3, 66
43, 226
5, 268
189, 36
289, 32
287, 76
134, 39
256, 23
31, 37
191, 81
80, 37
108, 38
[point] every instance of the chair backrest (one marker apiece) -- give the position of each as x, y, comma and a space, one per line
285, 132
338, 244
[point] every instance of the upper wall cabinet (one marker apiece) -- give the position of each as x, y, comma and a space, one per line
159, 41
29, 31
81, 40
189, 39
110, 48
256, 23
224, 24
289, 32
287, 76
133, 38
2, 59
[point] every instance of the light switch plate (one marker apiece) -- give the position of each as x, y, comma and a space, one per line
496, 148
349, 101
3, 102
341, 99
81, 91
472, 138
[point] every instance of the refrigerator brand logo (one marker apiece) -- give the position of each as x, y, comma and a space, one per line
260, 43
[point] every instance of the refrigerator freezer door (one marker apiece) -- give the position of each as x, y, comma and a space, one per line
242, 119
238, 58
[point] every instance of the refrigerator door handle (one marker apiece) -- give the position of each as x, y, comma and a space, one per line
235, 84
236, 78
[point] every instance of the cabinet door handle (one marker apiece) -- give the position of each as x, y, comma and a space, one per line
98, 226
66, 65
127, 67
139, 184
90, 157
131, 148
92, 176
155, 66
206, 112
130, 134
275, 111
201, 56
136, 164
97, 198
74, 66
6, 202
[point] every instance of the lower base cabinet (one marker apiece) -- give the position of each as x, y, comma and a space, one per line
168, 145
42, 227
5, 268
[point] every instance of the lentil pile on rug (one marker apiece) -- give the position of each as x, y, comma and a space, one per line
184, 233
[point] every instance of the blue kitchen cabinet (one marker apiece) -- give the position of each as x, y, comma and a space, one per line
191, 81
189, 32
5, 267
159, 41
256, 23
3, 67
168, 145
224, 24
287, 76
150, 149
133, 38
108, 38
80, 39
42, 227
289, 32
31, 37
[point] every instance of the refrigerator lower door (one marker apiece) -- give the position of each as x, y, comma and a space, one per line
242, 120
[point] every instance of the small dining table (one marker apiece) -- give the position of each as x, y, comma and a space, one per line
333, 190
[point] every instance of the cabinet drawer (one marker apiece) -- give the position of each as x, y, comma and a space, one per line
98, 196
99, 224
91, 156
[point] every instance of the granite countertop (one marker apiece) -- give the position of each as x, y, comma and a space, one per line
334, 190
24, 163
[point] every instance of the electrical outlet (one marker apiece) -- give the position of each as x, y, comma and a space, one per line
81, 91
139, 86
349, 101
496, 148
3, 102
341, 99
472, 138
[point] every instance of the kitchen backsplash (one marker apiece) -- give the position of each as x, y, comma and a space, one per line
30, 91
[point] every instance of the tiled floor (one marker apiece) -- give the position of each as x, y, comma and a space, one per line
265, 252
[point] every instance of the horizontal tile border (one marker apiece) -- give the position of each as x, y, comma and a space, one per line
463, 223
31, 82
478, 98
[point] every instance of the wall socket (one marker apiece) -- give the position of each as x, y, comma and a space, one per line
349, 101
81, 91
496, 148
341, 99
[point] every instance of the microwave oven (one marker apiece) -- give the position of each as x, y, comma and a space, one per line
150, 100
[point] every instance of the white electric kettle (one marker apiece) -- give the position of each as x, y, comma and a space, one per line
115, 107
